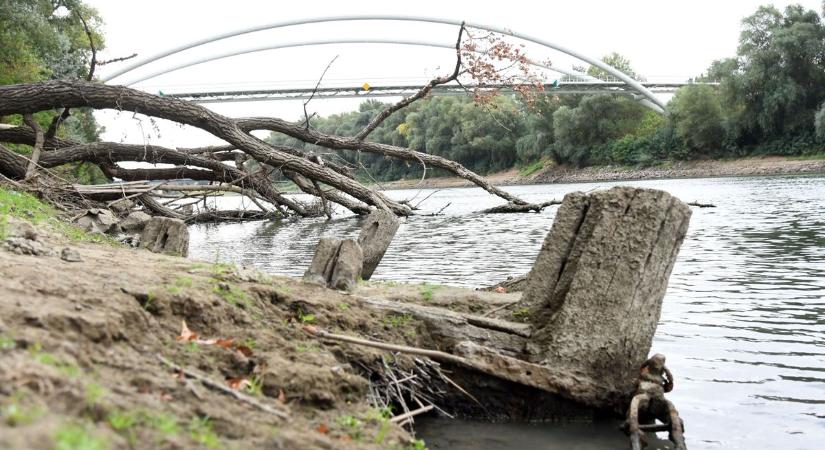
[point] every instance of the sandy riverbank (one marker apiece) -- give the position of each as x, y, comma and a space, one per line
773, 165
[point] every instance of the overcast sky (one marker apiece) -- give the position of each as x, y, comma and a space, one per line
662, 38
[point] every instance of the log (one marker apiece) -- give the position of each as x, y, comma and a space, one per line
376, 235
595, 293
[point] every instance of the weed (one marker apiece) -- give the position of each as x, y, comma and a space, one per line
164, 422
305, 318
191, 347
17, 412
6, 342
255, 386
343, 306
77, 437
534, 167
94, 392
250, 342
67, 369
353, 426
521, 314
398, 321
417, 444
427, 290
200, 431
233, 294
122, 420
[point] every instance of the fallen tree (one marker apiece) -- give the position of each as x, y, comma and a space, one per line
328, 181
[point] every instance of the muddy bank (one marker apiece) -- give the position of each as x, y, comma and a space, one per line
773, 165
83, 343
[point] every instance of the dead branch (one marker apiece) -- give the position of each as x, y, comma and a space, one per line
115, 60
16, 99
314, 91
387, 112
206, 381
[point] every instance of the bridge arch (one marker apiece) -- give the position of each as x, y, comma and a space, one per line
648, 98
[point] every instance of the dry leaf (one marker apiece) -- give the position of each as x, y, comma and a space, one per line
310, 329
501, 290
236, 384
186, 335
323, 428
244, 350
225, 343
281, 396
166, 397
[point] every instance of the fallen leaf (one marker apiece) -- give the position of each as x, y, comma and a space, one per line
225, 343
244, 350
166, 397
281, 396
501, 290
236, 384
310, 329
323, 428
186, 335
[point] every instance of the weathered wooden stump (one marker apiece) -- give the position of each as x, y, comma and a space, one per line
595, 293
376, 235
336, 264
165, 235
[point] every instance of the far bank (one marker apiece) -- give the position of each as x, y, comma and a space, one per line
760, 166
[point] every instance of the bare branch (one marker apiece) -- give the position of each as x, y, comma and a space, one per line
318, 84
110, 61
383, 115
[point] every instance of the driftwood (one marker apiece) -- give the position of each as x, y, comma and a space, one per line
591, 305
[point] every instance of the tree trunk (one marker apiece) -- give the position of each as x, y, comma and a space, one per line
376, 235
595, 292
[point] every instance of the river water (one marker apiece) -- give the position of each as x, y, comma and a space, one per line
743, 323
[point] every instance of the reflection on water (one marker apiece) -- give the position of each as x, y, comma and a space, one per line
743, 324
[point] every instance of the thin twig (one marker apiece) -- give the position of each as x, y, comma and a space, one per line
377, 120
317, 85
220, 387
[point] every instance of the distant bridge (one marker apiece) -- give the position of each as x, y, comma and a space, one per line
564, 87
623, 84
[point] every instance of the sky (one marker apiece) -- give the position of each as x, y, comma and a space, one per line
664, 40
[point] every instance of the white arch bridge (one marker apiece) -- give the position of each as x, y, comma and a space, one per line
569, 81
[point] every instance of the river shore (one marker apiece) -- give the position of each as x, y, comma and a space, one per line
773, 165
121, 348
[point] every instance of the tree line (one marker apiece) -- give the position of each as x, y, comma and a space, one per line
769, 100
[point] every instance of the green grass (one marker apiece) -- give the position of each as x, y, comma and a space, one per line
6, 342
200, 431
15, 411
427, 290
24, 206
77, 437
522, 314
534, 167
67, 369
233, 294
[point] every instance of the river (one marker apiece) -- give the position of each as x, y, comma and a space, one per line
743, 323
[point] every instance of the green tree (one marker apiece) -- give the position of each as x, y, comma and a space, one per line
696, 114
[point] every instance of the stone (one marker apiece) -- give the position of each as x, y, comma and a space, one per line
97, 220
23, 246
165, 235
134, 222
595, 293
376, 235
23, 229
70, 255
122, 206
348, 266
